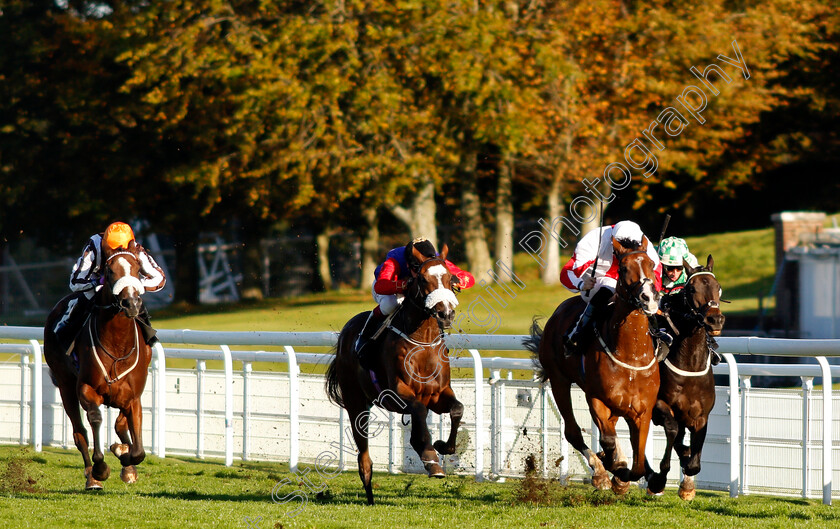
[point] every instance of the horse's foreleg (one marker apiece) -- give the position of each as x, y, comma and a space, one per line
91, 401
663, 416
639, 430
70, 400
124, 446
698, 437
130, 431
421, 441
448, 403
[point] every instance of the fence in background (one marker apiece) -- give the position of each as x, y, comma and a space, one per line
760, 440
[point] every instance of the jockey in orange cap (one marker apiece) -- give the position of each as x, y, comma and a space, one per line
88, 277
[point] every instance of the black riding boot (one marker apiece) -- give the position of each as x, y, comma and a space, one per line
662, 339
70, 324
579, 336
149, 334
374, 321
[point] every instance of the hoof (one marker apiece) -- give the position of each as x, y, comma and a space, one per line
434, 469
91, 484
601, 481
442, 448
101, 471
656, 484
129, 474
687, 491
620, 487
119, 449
651, 493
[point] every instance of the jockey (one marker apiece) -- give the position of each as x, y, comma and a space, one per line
88, 277
576, 276
672, 251
392, 280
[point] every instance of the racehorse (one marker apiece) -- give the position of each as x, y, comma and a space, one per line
411, 373
618, 372
113, 362
687, 384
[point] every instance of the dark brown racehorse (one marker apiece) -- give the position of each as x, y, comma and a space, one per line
618, 372
411, 362
687, 384
113, 365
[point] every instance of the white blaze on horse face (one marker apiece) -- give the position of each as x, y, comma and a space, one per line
652, 305
127, 280
441, 293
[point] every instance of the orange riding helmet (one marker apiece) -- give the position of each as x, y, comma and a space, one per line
118, 235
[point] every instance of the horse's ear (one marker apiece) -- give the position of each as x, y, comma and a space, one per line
618, 249
644, 245
444, 251
710, 263
418, 257
687, 267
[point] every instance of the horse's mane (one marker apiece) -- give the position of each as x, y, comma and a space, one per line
629, 244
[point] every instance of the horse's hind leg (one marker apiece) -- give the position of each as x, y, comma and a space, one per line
90, 401
421, 441
448, 403
562, 390
70, 400
360, 435
662, 416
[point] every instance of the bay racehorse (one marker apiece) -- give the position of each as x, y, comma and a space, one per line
113, 362
618, 372
687, 384
411, 373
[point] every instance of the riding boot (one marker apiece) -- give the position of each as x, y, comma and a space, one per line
579, 336
361, 347
70, 324
573, 339
662, 339
149, 333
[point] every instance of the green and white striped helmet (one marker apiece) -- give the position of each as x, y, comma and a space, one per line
672, 251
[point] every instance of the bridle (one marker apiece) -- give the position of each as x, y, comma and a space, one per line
698, 313
413, 287
111, 285
636, 287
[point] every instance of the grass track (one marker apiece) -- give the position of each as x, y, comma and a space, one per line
186, 493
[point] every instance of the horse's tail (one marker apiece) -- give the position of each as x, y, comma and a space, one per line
331, 384
532, 343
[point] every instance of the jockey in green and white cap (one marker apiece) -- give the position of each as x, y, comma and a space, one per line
672, 251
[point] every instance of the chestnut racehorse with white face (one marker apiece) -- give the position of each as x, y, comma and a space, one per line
411, 373
113, 363
618, 373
